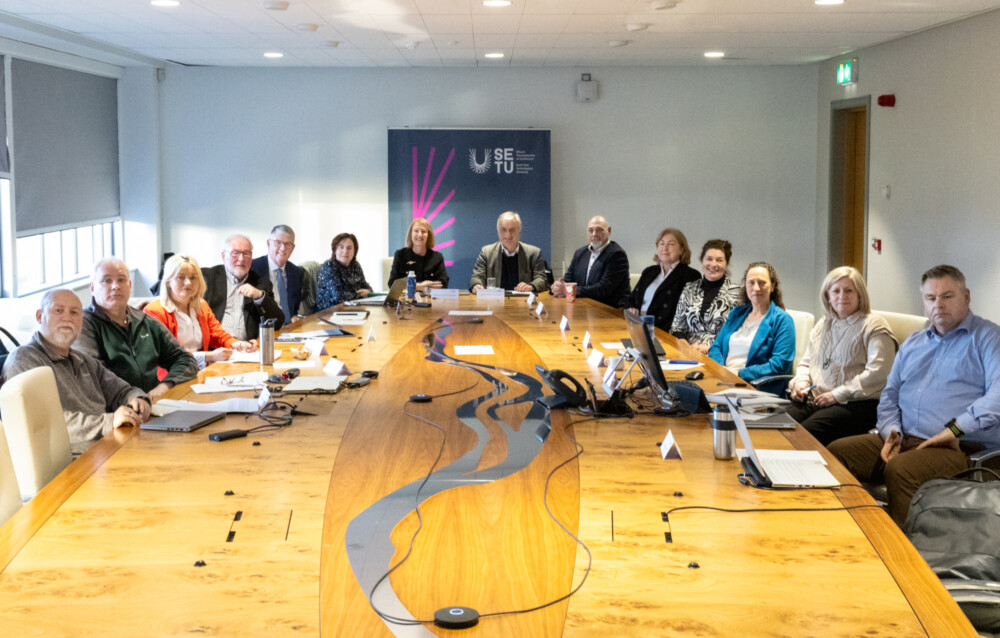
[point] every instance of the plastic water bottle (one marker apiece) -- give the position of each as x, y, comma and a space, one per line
411, 285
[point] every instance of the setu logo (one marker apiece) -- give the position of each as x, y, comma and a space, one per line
477, 167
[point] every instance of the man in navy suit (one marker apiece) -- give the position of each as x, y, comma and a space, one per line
286, 277
599, 269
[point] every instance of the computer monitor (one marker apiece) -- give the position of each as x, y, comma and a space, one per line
643, 346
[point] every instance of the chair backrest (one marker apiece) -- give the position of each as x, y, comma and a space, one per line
804, 322
633, 279
902, 325
311, 273
10, 495
35, 427
385, 271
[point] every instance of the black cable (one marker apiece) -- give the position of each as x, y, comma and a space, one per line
845, 508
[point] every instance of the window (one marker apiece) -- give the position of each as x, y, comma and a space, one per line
52, 259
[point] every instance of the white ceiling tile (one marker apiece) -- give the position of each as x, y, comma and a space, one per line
543, 23
495, 23
450, 23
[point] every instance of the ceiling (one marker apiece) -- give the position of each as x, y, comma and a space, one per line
459, 33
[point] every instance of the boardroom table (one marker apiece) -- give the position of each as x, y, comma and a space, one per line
291, 531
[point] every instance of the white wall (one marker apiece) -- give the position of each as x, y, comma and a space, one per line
139, 166
724, 152
938, 151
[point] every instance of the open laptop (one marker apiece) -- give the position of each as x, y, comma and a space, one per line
183, 420
772, 471
395, 293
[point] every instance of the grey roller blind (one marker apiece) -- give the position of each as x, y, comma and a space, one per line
4, 155
65, 146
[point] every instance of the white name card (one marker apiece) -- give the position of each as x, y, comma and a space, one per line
596, 359
564, 324
669, 448
335, 368
371, 334
539, 308
489, 293
586, 341
531, 298
444, 293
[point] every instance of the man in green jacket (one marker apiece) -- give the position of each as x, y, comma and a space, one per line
126, 340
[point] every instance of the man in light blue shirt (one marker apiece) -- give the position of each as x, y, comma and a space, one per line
941, 401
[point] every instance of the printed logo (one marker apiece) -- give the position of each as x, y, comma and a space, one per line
477, 167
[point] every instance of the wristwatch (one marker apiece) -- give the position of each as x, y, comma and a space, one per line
953, 426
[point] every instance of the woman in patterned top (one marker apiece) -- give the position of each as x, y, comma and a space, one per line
340, 277
705, 304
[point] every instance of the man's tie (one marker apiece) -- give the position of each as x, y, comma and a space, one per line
282, 293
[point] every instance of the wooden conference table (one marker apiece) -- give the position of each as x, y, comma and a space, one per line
110, 546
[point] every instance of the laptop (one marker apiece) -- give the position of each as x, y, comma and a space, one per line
183, 420
773, 468
395, 293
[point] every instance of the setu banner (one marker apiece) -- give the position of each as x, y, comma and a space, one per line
460, 180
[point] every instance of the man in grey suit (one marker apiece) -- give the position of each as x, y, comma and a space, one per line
512, 264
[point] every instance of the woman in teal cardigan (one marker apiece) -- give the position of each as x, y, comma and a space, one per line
758, 338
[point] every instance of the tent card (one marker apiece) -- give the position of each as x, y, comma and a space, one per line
539, 308
596, 359
669, 448
489, 293
587, 345
444, 293
564, 324
531, 298
371, 334
335, 368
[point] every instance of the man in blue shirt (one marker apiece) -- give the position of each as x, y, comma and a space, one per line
941, 401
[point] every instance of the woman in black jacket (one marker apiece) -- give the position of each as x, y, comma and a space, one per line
660, 285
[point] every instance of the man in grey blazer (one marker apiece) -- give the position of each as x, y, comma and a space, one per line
513, 264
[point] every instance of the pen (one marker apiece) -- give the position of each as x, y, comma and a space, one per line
684, 362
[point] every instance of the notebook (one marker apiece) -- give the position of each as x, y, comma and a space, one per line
395, 292
779, 468
183, 420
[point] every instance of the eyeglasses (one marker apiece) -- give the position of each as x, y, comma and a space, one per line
282, 244
245, 254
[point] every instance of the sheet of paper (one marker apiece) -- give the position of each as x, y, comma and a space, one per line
350, 322
249, 357
245, 381
308, 363
444, 293
471, 313
249, 405
612, 345
309, 384
471, 350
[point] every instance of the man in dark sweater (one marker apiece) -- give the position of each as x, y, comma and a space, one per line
129, 342
94, 400
599, 269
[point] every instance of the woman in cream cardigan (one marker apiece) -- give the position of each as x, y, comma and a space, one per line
186, 315
841, 375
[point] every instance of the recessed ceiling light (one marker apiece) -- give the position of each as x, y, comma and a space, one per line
496, 3
274, 54
494, 56
715, 54
276, 5
637, 26
829, 1
164, 3
617, 43
306, 26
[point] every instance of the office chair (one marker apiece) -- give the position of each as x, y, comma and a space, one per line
10, 496
36, 429
776, 383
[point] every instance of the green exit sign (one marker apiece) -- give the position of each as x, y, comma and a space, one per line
847, 72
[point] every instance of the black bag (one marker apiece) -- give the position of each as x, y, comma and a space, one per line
955, 525
3, 349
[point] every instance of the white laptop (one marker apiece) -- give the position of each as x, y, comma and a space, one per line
780, 468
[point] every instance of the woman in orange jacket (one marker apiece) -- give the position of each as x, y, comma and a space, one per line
182, 309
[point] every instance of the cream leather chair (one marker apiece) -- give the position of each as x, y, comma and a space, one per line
804, 322
385, 270
633, 279
902, 325
36, 429
10, 496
